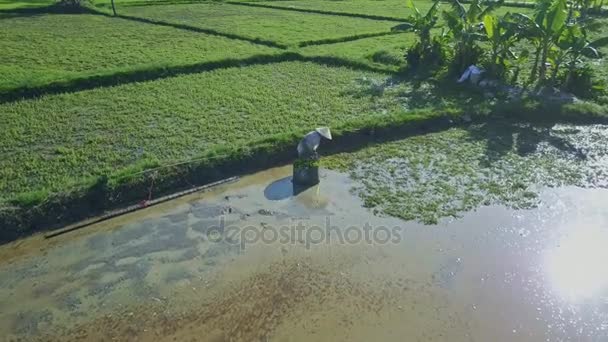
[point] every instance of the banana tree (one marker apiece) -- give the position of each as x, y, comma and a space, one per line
466, 27
421, 25
586, 6
501, 37
574, 45
543, 31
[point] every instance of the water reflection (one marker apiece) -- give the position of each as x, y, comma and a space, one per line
576, 266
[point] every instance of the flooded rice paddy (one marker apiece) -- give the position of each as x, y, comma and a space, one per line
448, 173
252, 261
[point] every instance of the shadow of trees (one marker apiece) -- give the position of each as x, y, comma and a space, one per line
43, 10
504, 125
510, 136
157, 73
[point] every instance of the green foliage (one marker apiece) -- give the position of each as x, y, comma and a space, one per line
581, 82
573, 46
421, 24
502, 38
386, 57
559, 38
30, 198
585, 7
555, 32
305, 163
428, 51
430, 56
543, 30
466, 29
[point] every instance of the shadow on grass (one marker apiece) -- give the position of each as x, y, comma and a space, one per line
519, 125
345, 39
142, 75
43, 10
258, 41
316, 11
419, 90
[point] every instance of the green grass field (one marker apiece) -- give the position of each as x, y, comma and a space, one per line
384, 52
279, 26
382, 8
37, 50
59, 140
385, 8
86, 95
28, 4
14, 4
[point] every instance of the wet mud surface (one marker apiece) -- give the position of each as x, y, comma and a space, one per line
251, 261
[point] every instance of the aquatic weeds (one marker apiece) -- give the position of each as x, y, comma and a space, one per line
444, 174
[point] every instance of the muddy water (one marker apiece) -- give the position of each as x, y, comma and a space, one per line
251, 261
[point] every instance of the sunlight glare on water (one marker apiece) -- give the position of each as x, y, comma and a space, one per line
576, 266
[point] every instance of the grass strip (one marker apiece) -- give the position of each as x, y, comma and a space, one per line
208, 31
34, 212
345, 39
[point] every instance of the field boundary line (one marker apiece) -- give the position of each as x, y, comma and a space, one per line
258, 41
152, 74
317, 11
345, 39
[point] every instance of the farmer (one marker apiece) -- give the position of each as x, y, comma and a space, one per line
308, 145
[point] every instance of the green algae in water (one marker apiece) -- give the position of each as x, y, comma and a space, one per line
305, 163
444, 174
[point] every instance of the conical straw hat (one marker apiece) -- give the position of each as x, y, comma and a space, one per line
325, 132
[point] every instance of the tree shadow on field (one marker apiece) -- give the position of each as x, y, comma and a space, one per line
43, 10
502, 137
156, 73
417, 91
514, 127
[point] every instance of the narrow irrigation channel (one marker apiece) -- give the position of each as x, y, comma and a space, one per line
251, 260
